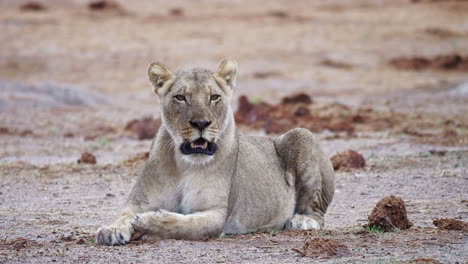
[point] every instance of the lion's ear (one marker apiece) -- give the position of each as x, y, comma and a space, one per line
227, 72
160, 77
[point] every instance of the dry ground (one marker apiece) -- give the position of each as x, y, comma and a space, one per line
71, 78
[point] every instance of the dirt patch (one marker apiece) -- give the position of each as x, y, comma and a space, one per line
297, 99
319, 247
299, 110
67, 238
451, 224
389, 214
266, 74
92, 131
87, 157
278, 14
425, 261
294, 111
442, 62
348, 159
15, 132
74, 238
435, 1
18, 244
144, 128
336, 64
439, 153
443, 33
32, 6
137, 159
437, 132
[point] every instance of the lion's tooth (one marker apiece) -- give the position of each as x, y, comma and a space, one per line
192, 145
205, 145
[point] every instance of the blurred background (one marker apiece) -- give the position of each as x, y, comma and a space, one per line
71, 67
386, 78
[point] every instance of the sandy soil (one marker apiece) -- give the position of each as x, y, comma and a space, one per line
71, 79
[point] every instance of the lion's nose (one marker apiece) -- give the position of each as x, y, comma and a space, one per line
200, 124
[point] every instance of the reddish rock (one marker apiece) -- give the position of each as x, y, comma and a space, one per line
348, 159
389, 214
87, 157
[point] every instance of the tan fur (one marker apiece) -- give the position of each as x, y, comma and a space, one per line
249, 184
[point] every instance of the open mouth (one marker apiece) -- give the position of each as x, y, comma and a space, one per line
200, 146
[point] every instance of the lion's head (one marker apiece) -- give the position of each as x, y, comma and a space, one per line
195, 107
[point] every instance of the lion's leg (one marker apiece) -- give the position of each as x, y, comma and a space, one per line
120, 231
314, 177
164, 224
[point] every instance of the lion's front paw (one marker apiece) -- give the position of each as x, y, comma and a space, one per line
144, 222
158, 223
112, 235
303, 222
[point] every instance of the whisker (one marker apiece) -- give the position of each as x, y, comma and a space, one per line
168, 145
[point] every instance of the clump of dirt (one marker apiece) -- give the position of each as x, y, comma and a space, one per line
176, 11
297, 98
389, 214
441, 62
68, 134
87, 157
33, 6
102, 5
144, 128
319, 247
451, 224
107, 6
348, 159
18, 243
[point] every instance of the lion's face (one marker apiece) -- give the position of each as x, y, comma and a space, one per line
195, 107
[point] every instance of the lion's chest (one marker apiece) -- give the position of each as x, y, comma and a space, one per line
201, 190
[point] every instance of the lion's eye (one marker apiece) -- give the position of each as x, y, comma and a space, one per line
215, 97
180, 98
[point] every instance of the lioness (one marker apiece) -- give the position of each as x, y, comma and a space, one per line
203, 179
